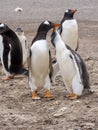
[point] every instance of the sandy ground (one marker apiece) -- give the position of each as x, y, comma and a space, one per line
17, 110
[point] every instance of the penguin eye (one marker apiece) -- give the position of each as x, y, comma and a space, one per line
1, 27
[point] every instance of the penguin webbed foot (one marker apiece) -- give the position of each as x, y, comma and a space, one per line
48, 94
35, 96
7, 77
72, 96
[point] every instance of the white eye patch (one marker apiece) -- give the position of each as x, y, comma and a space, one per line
67, 11
1, 25
46, 22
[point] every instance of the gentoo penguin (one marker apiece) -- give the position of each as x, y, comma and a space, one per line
11, 52
69, 29
24, 44
39, 61
72, 67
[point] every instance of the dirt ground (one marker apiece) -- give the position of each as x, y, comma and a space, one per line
17, 109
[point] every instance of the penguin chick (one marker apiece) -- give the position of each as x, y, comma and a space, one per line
40, 61
72, 67
11, 52
20, 33
69, 29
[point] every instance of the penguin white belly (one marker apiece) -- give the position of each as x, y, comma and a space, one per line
67, 67
70, 33
40, 62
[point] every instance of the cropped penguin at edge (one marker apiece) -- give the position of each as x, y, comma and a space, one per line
11, 53
69, 29
40, 67
20, 33
72, 67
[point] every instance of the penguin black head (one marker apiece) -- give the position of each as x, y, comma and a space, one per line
46, 26
69, 13
43, 29
3, 28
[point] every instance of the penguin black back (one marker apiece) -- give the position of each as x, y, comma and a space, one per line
82, 69
12, 43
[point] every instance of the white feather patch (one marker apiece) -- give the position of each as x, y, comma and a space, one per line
67, 11
46, 22
1, 25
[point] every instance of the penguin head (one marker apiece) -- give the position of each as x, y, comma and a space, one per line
19, 31
46, 26
69, 13
3, 28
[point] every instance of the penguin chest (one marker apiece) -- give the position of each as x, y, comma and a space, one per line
40, 60
67, 67
70, 33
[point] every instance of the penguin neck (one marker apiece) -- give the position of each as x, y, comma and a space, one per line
67, 18
40, 36
59, 44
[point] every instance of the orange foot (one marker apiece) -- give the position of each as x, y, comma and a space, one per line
7, 77
35, 96
48, 94
72, 96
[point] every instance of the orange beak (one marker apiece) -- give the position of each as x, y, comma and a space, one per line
55, 25
73, 11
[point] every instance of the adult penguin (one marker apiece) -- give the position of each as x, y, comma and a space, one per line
11, 52
40, 67
24, 44
72, 67
69, 29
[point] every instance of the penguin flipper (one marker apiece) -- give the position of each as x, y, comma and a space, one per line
82, 71
50, 66
77, 45
76, 66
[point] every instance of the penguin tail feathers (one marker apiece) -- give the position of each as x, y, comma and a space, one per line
24, 72
88, 91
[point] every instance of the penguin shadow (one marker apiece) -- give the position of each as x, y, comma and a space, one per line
87, 94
